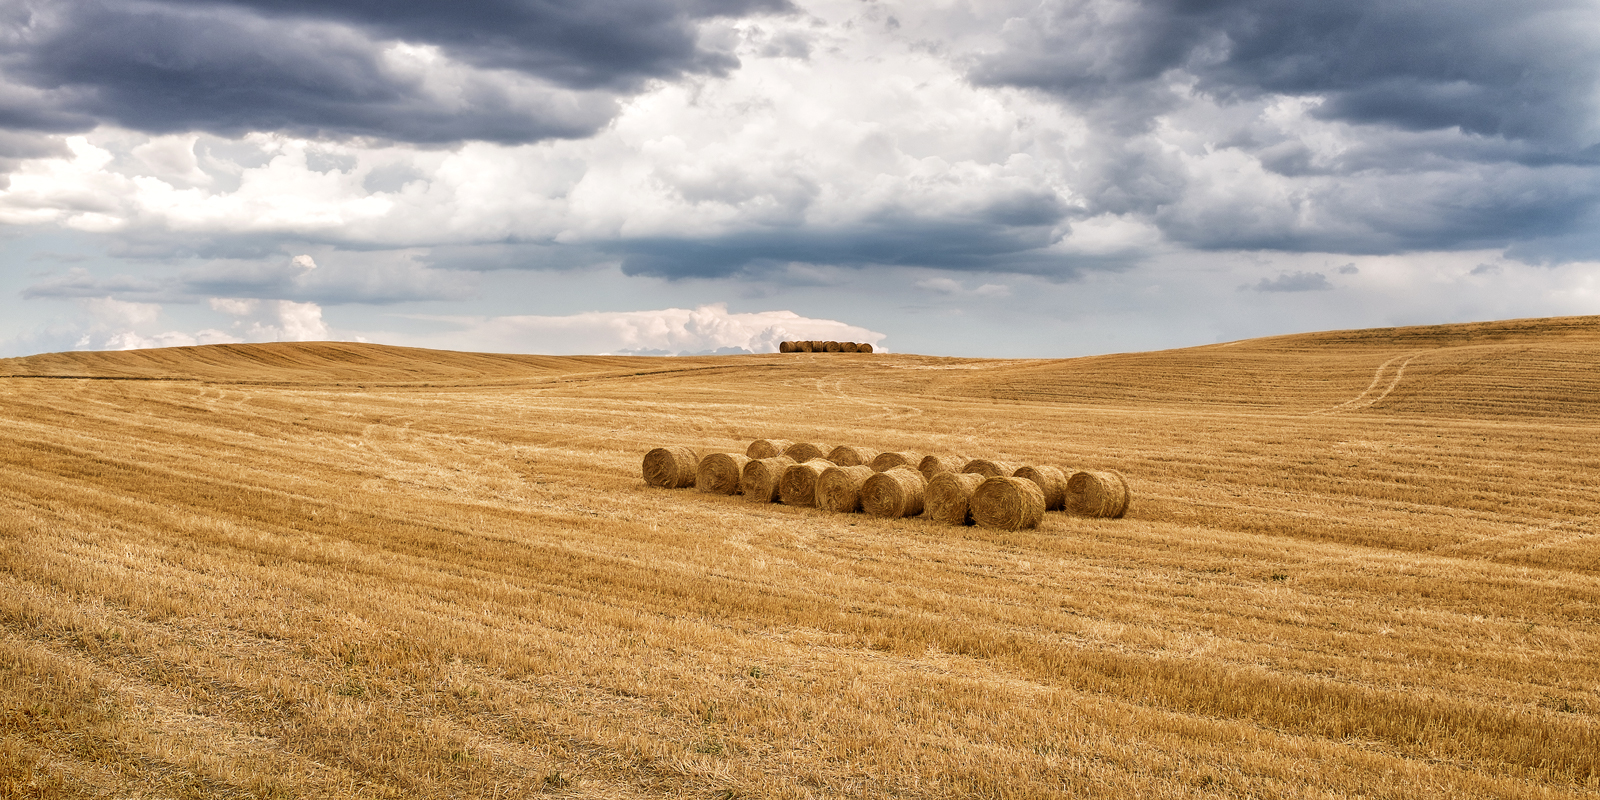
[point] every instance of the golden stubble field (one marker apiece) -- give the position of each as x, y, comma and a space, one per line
1357, 564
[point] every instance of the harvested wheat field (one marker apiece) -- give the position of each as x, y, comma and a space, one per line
1356, 564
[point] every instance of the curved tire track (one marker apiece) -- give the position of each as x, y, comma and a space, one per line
1366, 398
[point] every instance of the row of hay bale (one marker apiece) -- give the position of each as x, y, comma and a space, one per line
958, 491
824, 347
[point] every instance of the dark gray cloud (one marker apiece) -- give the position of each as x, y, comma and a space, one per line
352, 278
525, 71
1477, 122
986, 243
611, 44
1516, 70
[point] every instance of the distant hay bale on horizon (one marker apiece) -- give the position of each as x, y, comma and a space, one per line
948, 497
671, 467
798, 486
848, 455
893, 493
1098, 494
802, 452
991, 469
758, 481
930, 466
719, 473
767, 448
823, 347
1008, 504
883, 462
839, 488
1051, 480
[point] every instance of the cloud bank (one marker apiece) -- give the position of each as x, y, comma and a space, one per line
707, 330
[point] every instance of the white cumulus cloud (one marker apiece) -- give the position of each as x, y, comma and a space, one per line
671, 331
121, 325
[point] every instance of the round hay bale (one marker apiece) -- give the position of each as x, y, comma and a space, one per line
883, 462
930, 466
839, 488
767, 448
802, 347
830, 347
849, 347
991, 469
802, 452
1009, 504
798, 486
759, 479
788, 347
1098, 494
670, 467
1052, 481
863, 348
896, 492
719, 473
848, 455
948, 498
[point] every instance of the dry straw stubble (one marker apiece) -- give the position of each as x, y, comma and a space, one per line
884, 462
759, 479
1008, 504
802, 452
839, 488
1098, 494
798, 486
670, 467
1051, 480
896, 492
948, 498
846, 455
991, 469
767, 448
719, 473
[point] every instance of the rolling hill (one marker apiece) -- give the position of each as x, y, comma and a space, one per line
1357, 564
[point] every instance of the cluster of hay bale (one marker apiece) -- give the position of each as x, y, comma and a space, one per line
847, 479
824, 347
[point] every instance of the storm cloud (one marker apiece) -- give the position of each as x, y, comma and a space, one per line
1356, 126
411, 72
1518, 71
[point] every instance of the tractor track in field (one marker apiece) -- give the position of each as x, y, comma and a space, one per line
1367, 399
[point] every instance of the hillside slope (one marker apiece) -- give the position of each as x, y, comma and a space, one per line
1529, 368
1519, 368
1357, 564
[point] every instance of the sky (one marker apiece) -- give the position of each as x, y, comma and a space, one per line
987, 178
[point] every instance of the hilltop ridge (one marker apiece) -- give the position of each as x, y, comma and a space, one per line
1518, 368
